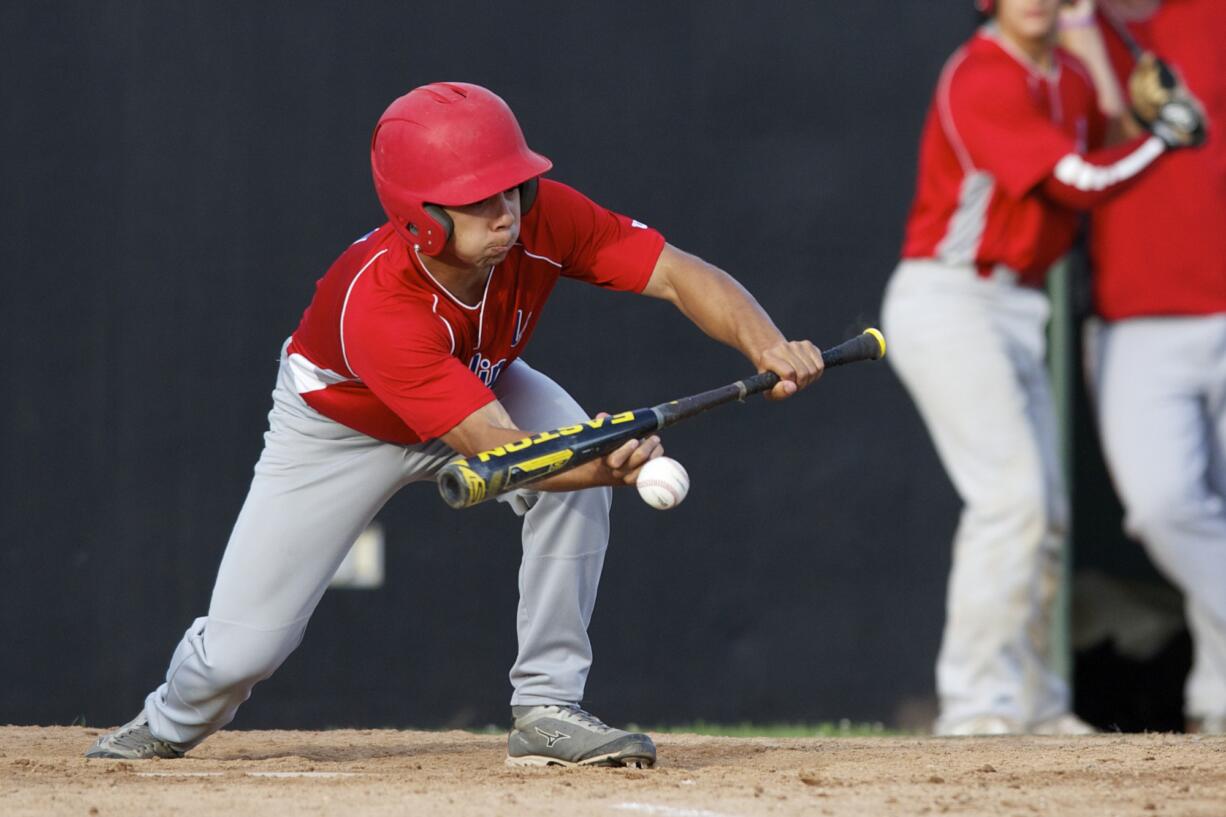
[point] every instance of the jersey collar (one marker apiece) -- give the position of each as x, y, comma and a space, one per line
420, 264
991, 31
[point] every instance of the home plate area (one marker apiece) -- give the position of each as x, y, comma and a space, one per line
392, 772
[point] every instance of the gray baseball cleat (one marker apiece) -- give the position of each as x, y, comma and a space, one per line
134, 741
569, 736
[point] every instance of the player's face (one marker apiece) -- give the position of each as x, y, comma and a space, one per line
1028, 20
485, 230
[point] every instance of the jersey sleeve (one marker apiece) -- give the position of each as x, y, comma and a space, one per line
597, 245
1080, 182
998, 127
404, 357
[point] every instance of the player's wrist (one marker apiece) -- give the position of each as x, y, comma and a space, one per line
1078, 22
1080, 14
765, 351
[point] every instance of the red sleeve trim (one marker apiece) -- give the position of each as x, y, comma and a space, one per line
652, 257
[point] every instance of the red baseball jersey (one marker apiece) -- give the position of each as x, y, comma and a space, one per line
386, 350
1159, 248
997, 127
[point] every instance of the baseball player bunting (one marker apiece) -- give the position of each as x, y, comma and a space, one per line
408, 355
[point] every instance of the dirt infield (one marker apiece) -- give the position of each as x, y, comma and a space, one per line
358, 773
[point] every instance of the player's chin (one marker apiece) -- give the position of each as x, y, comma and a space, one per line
1039, 26
497, 254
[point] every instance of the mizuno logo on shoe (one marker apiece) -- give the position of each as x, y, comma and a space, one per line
551, 737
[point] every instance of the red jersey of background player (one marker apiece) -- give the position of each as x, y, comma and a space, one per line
384, 349
997, 128
1161, 248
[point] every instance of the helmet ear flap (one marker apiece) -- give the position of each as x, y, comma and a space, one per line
527, 195
440, 215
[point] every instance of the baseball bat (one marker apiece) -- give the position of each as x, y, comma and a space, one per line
1121, 31
467, 481
1166, 76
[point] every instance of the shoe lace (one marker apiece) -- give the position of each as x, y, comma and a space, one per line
587, 719
134, 736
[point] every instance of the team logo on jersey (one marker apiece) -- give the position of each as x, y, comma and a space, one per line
521, 325
486, 369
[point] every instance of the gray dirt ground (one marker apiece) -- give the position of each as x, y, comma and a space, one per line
359, 773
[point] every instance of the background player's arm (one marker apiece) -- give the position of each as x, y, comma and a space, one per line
490, 426
1080, 35
721, 307
1001, 130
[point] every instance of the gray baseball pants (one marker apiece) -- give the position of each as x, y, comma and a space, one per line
1161, 388
317, 485
970, 351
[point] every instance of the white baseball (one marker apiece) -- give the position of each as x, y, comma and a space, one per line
663, 483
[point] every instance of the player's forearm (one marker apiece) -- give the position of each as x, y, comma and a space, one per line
490, 426
715, 302
1080, 35
1081, 181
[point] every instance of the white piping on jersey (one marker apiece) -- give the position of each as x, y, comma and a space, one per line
1076, 172
481, 316
345, 305
541, 258
480, 305
945, 110
1037, 73
965, 228
434, 309
1057, 105
1077, 68
446, 291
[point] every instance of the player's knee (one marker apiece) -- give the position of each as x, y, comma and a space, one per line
1014, 504
569, 524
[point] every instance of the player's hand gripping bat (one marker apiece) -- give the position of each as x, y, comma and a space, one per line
466, 481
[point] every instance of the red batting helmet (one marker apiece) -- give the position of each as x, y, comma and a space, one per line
449, 143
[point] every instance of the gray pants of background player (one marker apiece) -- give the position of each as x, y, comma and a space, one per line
1161, 388
970, 351
317, 486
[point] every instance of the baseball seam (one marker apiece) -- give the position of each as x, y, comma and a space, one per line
666, 486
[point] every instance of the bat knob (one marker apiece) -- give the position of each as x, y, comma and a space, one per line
459, 486
880, 338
